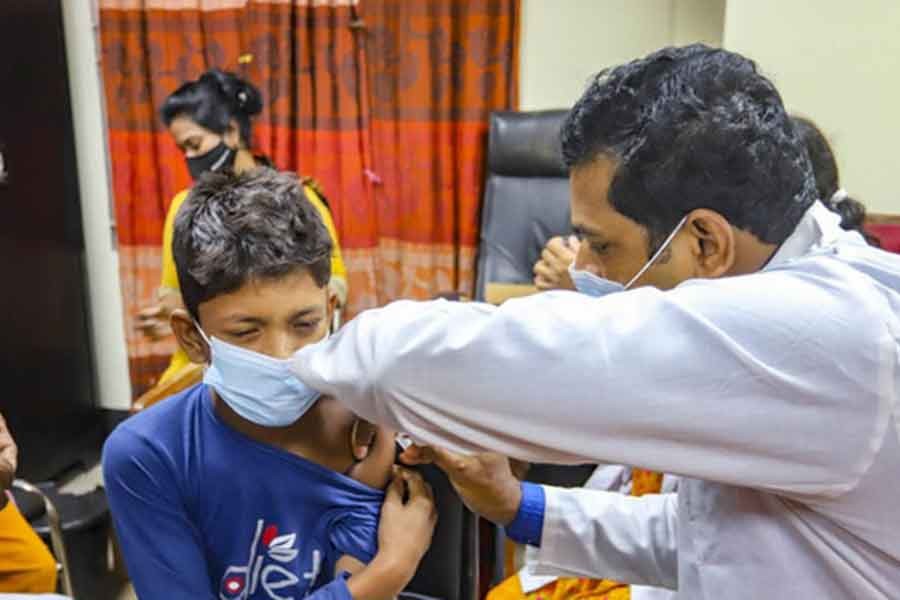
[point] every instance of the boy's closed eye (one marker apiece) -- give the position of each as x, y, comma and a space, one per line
308, 326
243, 333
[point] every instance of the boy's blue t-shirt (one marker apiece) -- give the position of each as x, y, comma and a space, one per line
202, 511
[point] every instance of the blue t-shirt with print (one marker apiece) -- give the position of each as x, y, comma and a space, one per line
202, 511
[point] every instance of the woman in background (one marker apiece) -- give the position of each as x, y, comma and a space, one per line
210, 121
828, 184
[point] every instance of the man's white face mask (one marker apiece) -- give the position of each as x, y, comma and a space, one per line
593, 285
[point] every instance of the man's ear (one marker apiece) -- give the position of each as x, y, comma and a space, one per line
713, 243
188, 337
232, 135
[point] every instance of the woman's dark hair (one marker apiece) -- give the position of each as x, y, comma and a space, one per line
693, 127
213, 101
828, 180
235, 228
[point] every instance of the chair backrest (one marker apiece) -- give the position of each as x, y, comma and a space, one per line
449, 570
526, 198
190, 374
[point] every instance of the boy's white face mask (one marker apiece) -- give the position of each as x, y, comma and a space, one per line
259, 388
591, 284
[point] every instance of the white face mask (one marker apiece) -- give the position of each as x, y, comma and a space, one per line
259, 388
593, 285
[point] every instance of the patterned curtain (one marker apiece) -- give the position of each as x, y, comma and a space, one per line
384, 102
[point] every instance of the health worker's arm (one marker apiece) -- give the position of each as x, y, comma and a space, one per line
736, 380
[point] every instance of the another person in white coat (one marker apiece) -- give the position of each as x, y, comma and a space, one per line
755, 355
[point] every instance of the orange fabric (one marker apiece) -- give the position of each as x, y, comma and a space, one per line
645, 482
642, 482
26, 565
562, 589
385, 102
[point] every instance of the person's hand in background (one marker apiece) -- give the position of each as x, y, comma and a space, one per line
9, 460
153, 321
551, 272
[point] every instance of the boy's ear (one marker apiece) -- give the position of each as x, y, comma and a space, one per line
333, 303
188, 337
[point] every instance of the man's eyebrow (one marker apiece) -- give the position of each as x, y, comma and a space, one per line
582, 231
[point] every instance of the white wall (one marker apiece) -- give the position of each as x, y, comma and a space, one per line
837, 62
105, 298
698, 21
564, 42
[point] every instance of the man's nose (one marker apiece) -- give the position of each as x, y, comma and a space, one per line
585, 262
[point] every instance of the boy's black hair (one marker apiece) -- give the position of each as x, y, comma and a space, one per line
235, 228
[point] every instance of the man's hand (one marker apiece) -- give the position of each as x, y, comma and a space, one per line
551, 272
408, 518
485, 481
9, 460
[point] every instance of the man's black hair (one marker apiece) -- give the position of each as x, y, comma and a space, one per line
693, 127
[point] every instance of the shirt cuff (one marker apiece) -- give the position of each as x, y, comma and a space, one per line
528, 525
336, 590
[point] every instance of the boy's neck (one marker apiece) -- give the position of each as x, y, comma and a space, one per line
321, 435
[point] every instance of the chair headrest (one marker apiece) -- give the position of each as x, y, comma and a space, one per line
526, 144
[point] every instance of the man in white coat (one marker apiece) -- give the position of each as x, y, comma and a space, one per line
756, 356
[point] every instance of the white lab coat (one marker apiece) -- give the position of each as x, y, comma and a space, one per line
774, 396
606, 479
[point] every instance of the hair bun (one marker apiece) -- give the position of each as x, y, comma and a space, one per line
241, 94
248, 98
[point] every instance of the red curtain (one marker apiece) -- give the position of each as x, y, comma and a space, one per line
385, 102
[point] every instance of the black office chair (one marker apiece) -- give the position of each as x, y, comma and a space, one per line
526, 196
526, 202
449, 570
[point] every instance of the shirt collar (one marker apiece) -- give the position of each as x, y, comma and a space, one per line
818, 227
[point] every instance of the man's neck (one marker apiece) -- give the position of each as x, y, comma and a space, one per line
751, 255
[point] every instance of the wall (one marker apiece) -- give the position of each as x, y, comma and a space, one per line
839, 64
564, 42
107, 329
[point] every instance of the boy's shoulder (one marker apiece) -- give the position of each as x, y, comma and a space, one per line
163, 426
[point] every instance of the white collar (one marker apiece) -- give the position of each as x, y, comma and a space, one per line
818, 227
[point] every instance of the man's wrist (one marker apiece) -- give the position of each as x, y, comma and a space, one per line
510, 506
528, 524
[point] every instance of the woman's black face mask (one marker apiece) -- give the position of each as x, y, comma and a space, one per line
218, 159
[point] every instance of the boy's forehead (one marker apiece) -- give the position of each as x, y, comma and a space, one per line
266, 298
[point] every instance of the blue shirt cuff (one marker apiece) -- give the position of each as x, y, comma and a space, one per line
528, 525
336, 590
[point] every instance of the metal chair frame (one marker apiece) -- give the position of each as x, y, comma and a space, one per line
56, 535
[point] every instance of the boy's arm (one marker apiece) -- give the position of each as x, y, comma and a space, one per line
404, 534
162, 547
